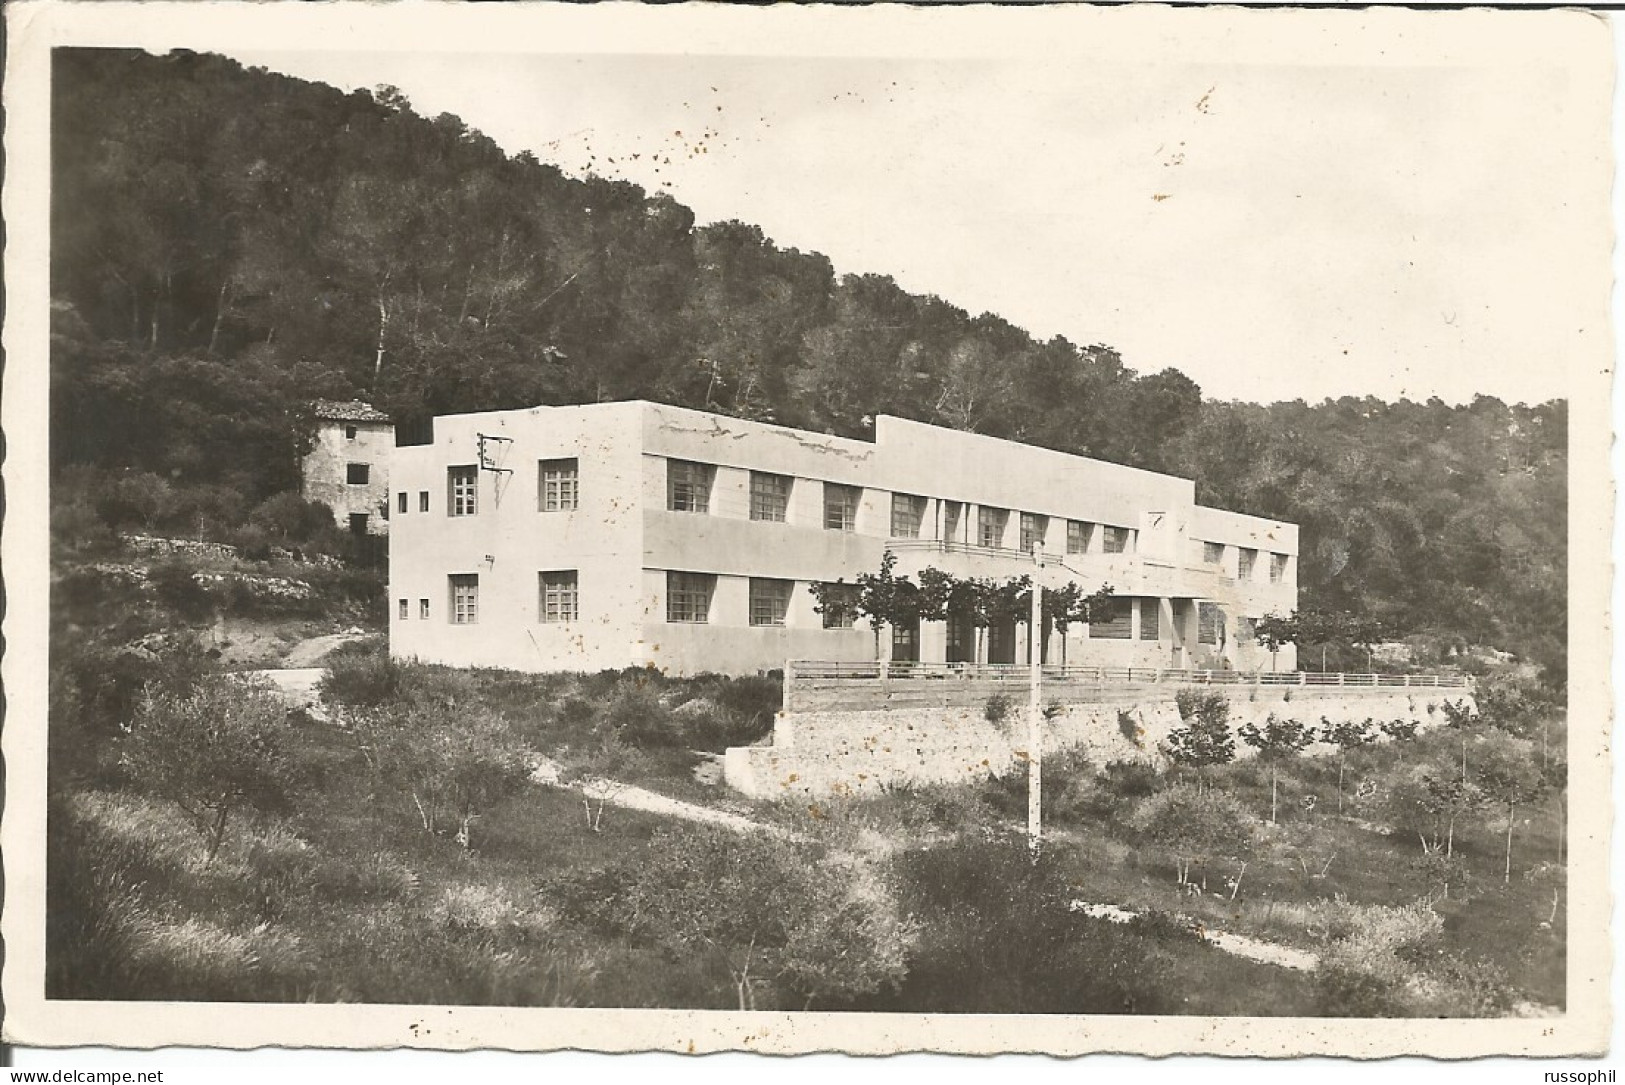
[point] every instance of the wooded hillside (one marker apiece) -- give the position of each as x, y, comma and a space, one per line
230, 243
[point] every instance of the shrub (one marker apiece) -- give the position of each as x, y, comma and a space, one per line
1197, 825
997, 709
454, 760
1206, 738
635, 714
785, 924
94, 909
999, 935
1400, 730
361, 680
175, 584
211, 751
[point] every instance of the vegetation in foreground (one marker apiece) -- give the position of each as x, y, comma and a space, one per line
401, 852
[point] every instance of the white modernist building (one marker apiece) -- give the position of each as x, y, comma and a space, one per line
632, 534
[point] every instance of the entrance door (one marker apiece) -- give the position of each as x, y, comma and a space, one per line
961, 641
358, 523
905, 643
1001, 643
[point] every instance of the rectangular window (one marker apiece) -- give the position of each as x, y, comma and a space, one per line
1213, 553
952, 511
1077, 537
560, 601
907, 514
1277, 568
1117, 624
1209, 623
688, 486
462, 491
357, 474
423, 500
769, 496
423, 609
403, 610
990, 524
1033, 529
769, 600
465, 598
558, 484
688, 597
1150, 619
1245, 559
400, 502
839, 609
841, 506
1114, 540
349, 433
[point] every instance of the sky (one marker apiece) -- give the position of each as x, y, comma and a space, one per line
1395, 213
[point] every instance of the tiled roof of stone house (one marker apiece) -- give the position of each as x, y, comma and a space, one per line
353, 411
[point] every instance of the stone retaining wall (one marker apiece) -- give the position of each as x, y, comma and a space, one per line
817, 753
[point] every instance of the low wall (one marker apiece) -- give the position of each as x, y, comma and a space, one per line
840, 752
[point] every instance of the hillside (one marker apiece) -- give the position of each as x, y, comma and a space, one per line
229, 243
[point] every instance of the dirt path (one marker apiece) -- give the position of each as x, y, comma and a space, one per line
296, 685
1237, 945
548, 773
310, 652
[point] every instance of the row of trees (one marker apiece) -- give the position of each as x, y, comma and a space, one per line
884, 599
1497, 771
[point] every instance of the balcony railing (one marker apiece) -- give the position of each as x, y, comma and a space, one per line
1020, 673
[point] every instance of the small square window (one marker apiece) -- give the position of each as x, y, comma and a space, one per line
400, 502
1213, 553
357, 474
841, 506
907, 514
688, 597
462, 490
560, 600
560, 485
403, 610
1033, 530
423, 609
688, 486
1114, 540
769, 600
1077, 537
423, 500
349, 433
990, 524
769, 496
465, 598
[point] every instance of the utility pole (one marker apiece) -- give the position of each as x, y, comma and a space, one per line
1035, 713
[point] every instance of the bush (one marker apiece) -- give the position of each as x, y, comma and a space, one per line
175, 584
1206, 738
1197, 825
361, 680
788, 926
454, 760
999, 935
997, 709
211, 751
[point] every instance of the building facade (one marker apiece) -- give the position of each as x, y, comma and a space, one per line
348, 468
632, 534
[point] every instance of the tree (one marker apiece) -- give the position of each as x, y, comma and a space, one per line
882, 598
769, 911
211, 751
1206, 738
1508, 774
1276, 741
1346, 735
1199, 825
454, 760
